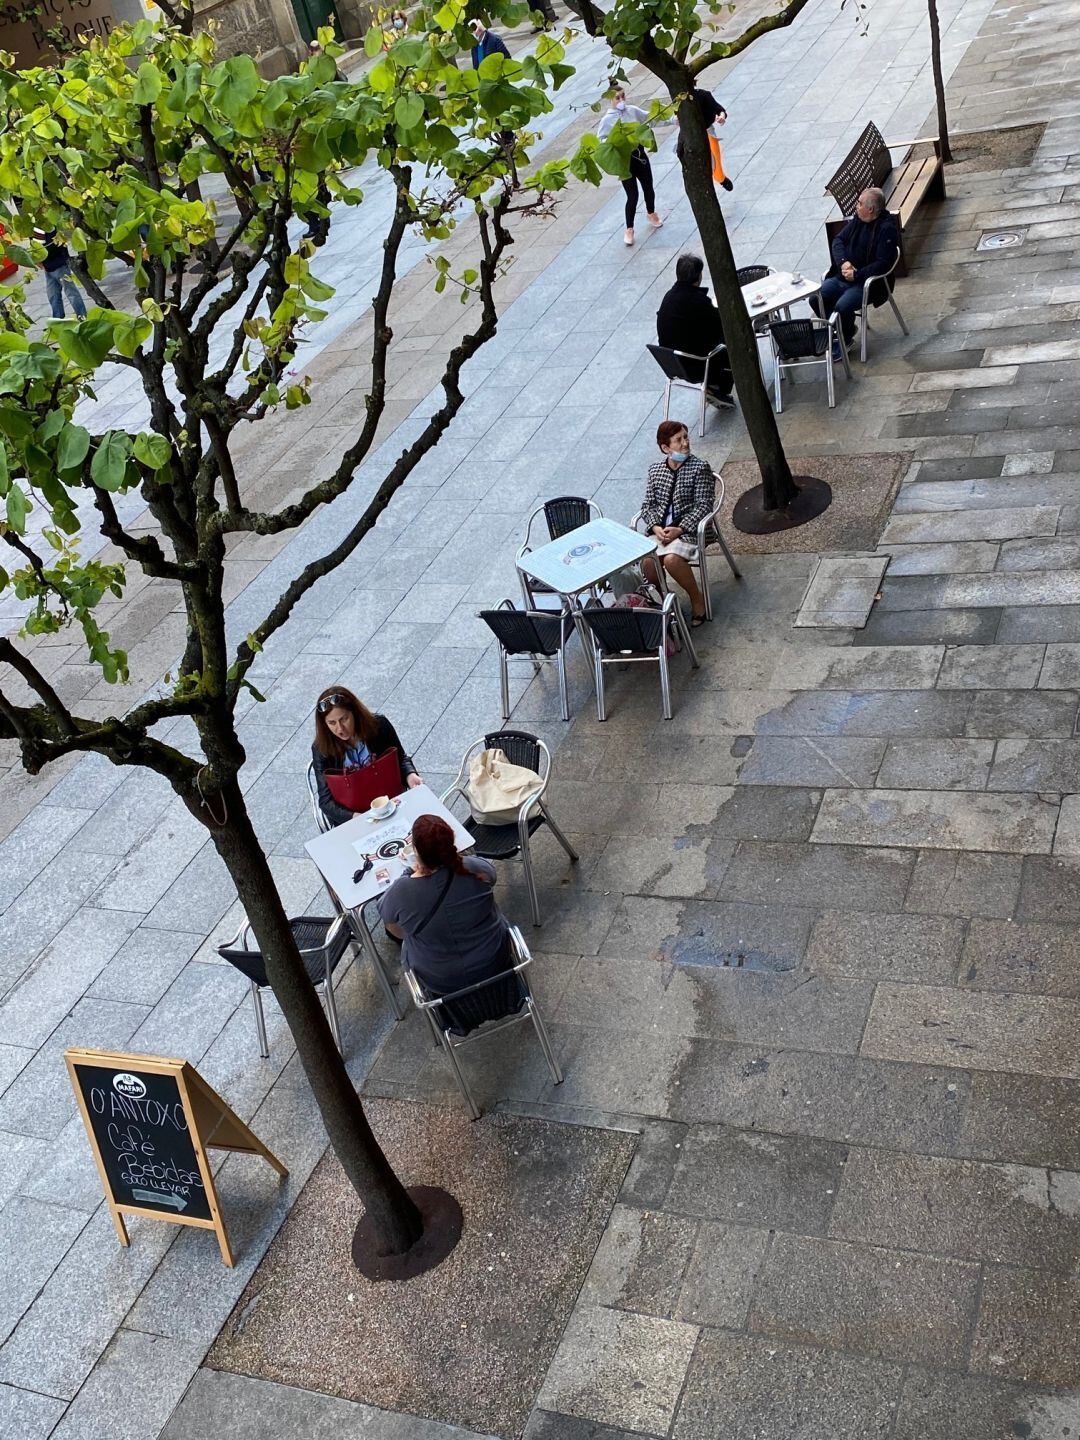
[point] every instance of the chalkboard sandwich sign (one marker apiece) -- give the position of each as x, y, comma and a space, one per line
150, 1122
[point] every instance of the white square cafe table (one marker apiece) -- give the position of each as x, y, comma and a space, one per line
584, 557
776, 292
340, 853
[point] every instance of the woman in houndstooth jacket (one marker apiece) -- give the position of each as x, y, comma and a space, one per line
679, 493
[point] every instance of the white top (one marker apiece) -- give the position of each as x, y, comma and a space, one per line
341, 851
777, 291
587, 555
631, 114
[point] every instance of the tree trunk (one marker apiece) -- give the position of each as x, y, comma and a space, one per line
392, 1213
778, 487
939, 83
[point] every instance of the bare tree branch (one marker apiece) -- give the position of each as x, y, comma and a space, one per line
25, 667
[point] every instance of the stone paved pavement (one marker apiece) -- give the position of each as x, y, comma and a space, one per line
854, 1201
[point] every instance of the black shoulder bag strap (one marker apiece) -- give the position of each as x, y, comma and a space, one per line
441, 897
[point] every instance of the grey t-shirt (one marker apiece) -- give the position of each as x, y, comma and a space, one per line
465, 939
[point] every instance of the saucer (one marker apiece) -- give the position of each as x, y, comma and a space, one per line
374, 816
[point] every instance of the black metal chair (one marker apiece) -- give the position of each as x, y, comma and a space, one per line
483, 1008
708, 535
535, 633
749, 274
322, 944
506, 842
561, 515
797, 344
876, 292
636, 634
673, 364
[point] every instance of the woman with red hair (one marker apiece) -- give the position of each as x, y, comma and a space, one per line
454, 934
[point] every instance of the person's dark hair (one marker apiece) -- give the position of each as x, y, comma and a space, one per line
333, 697
667, 430
688, 269
433, 841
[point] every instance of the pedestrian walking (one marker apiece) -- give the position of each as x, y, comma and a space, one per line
713, 114
619, 111
487, 43
58, 278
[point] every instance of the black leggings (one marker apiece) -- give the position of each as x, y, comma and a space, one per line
640, 171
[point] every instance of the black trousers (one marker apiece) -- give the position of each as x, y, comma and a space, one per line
640, 173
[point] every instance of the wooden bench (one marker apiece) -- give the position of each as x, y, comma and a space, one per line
918, 176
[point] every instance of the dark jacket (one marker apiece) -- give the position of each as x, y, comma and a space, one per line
491, 44
688, 320
868, 245
710, 110
386, 738
56, 254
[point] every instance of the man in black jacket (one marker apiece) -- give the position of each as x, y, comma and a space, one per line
865, 247
689, 321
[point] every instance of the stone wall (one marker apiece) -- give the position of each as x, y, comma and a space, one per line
264, 29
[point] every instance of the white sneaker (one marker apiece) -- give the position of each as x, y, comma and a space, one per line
628, 238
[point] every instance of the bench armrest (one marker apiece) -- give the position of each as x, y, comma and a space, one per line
920, 140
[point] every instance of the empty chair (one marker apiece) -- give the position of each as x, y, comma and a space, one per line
708, 535
673, 364
561, 515
322, 944
639, 634
483, 1008
536, 633
748, 274
799, 343
506, 842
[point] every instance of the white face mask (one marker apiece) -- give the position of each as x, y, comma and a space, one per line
677, 456
620, 104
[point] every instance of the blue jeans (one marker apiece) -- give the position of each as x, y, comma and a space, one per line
839, 296
59, 283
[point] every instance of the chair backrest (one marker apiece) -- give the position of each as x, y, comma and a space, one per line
492, 999
797, 339
316, 809
867, 164
248, 962
749, 273
622, 630
568, 512
882, 286
525, 632
520, 748
671, 362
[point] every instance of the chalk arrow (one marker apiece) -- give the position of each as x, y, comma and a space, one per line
153, 1197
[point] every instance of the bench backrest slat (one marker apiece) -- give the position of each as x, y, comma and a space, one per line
868, 164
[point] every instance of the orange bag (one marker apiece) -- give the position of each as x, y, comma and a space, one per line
717, 161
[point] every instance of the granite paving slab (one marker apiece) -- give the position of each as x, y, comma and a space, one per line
1029, 1327
841, 592
963, 1407
1017, 824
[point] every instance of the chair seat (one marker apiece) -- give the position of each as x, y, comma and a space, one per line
499, 842
310, 932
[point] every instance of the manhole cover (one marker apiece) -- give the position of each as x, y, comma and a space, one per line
1001, 239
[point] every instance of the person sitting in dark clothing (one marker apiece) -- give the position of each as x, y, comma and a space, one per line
689, 321
348, 736
487, 43
865, 247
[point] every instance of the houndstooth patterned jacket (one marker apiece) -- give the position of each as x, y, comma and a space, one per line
690, 491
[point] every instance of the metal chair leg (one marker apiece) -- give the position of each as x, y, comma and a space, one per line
665, 683
260, 1021
846, 361
530, 881
564, 696
728, 555
367, 944
701, 417
896, 312
504, 684
778, 384
557, 832
864, 327
331, 1011
830, 383
459, 1076
545, 1042
703, 580
598, 669
667, 400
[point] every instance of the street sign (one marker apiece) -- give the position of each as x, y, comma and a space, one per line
150, 1122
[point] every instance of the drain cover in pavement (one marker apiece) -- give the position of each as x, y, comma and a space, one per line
1001, 239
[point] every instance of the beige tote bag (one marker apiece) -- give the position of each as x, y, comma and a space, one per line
498, 789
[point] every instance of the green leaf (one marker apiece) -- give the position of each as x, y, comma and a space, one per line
109, 465
4, 473
147, 84
380, 78
73, 445
409, 111
154, 451
17, 509
373, 42
85, 343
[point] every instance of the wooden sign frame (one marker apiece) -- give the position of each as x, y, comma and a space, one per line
211, 1123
